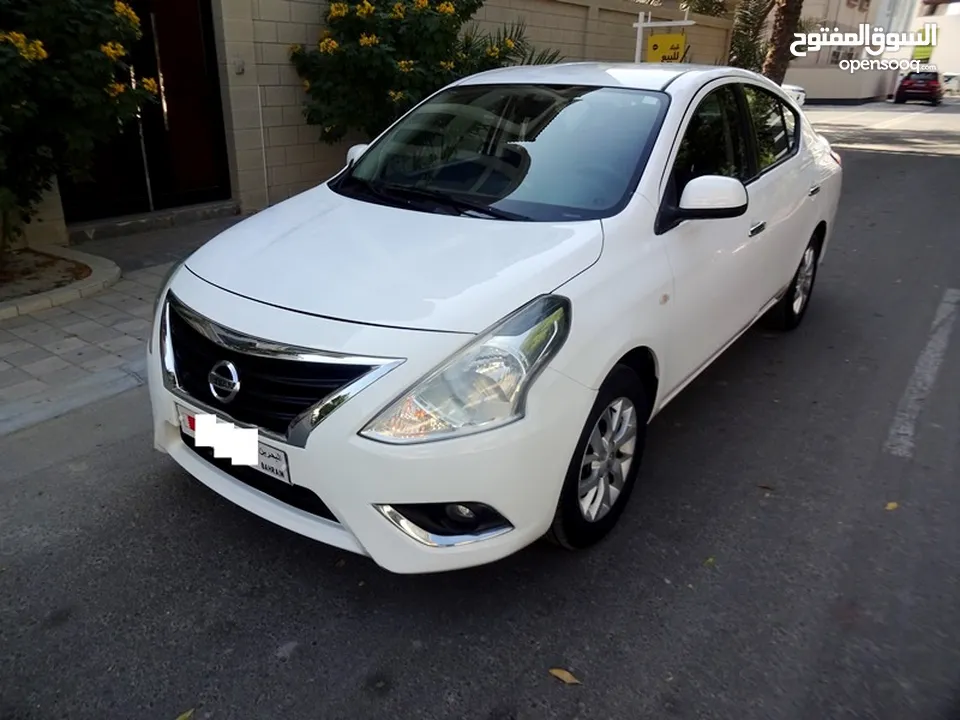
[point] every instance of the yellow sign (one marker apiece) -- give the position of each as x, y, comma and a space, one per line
923, 53
665, 48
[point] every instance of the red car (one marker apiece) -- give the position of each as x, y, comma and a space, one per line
920, 86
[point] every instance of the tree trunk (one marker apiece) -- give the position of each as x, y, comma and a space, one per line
785, 22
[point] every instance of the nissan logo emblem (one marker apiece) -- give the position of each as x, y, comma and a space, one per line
223, 381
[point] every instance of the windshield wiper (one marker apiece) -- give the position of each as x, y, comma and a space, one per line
448, 200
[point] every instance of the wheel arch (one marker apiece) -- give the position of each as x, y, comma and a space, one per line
644, 362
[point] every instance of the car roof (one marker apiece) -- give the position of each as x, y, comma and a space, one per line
639, 76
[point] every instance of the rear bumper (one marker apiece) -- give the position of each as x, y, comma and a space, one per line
912, 94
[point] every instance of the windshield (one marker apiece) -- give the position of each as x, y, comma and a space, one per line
922, 76
523, 152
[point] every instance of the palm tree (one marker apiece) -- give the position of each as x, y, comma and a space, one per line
748, 41
786, 21
713, 8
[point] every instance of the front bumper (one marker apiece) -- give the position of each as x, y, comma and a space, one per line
517, 470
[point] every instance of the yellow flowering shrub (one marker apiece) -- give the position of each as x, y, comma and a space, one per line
28, 50
113, 50
377, 58
65, 87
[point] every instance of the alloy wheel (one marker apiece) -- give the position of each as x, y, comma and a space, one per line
804, 284
607, 459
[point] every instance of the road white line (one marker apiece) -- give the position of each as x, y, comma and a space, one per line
899, 118
900, 441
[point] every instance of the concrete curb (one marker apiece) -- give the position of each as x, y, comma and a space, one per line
59, 401
103, 274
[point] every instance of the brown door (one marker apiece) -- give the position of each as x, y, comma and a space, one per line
175, 154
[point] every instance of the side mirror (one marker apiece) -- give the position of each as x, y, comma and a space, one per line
712, 197
354, 153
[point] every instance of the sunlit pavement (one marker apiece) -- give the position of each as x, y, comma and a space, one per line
758, 574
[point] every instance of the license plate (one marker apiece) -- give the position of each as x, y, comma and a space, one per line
273, 461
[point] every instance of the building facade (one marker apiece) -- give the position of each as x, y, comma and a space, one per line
819, 73
229, 135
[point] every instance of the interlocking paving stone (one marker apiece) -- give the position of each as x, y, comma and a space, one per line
22, 390
8, 348
32, 354
46, 367
99, 334
69, 374
64, 346
84, 354
12, 376
91, 345
121, 343
103, 363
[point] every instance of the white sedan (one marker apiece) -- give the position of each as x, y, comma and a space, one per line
454, 346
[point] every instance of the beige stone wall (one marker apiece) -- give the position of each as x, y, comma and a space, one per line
602, 29
274, 154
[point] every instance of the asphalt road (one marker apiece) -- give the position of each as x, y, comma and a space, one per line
758, 574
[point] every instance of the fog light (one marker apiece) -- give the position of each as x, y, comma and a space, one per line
453, 519
460, 513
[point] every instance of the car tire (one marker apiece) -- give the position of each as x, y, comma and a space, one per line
789, 312
573, 527
899, 100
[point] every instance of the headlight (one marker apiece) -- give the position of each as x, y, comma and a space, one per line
482, 386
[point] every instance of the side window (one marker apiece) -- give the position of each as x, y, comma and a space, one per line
790, 120
774, 124
713, 143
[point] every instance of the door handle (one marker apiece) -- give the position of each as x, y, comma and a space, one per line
814, 190
757, 228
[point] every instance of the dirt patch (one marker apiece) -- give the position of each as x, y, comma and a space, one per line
27, 272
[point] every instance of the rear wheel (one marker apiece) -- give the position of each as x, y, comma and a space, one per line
605, 464
899, 100
788, 313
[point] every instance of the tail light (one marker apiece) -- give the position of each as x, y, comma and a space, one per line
907, 83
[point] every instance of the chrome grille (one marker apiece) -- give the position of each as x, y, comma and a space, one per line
277, 389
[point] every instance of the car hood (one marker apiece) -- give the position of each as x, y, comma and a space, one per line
332, 256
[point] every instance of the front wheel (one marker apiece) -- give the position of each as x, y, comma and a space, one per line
605, 463
788, 313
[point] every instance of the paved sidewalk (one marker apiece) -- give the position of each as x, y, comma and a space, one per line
55, 360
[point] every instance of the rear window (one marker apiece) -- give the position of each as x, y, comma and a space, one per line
922, 76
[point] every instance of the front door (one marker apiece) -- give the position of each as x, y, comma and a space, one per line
175, 154
713, 260
779, 192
